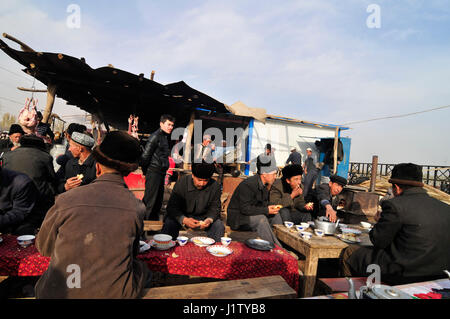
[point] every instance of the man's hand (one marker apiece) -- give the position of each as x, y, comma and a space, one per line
191, 222
331, 213
296, 192
205, 223
72, 182
309, 206
273, 209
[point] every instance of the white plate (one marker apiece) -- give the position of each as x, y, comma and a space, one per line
351, 230
348, 241
202, 241
162, 247
143, 246
219, 251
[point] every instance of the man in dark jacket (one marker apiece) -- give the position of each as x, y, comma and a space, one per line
288, 193
324, 197
93, 231
32, 159
154, 163
250, 208
15, 133
195, 203
18, 197
411, 239
295, 157
62, 159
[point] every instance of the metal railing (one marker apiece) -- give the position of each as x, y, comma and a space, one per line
433, 175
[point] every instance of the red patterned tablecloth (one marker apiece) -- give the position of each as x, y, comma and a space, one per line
190, 260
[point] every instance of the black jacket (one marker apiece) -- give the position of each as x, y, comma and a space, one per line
18, 196
320, 197
187, 201
38, 165
250, 198
411, 238
156, 153
72, 169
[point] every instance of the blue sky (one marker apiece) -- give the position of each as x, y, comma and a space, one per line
312, 60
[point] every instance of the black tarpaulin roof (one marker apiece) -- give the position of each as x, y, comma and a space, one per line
113, 94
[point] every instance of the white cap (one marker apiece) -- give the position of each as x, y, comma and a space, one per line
309, 149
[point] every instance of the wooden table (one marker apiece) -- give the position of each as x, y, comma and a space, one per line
313, 250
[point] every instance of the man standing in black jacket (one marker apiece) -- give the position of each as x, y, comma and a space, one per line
411, 238
154, 163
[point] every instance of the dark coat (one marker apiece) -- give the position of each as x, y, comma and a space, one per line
5, 145
295, 157
187, 201
249, 198
411, 238
156, 153
96, 227
280, 194
321, 197
18, 196
38, 165
73, 168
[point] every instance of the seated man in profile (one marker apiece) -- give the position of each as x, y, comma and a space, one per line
411, 238
250, 208
288, 193
324, 197
195, 203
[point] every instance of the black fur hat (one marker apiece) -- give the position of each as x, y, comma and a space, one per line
292, 170
203, 170
407, 174
119, 151
15, 128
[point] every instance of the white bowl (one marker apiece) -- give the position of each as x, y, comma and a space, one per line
25, 240
162, 239
300, 228
182, 240
288, 224
366, 225
306, 225
225, 241
319, 232
306, 235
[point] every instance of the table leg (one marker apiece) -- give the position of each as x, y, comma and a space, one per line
310, 274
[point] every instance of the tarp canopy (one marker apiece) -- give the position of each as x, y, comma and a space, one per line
112, 94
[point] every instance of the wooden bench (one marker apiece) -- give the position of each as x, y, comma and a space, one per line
270, 287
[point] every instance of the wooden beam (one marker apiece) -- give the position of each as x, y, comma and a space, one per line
23, 46
187, 149
51, 93
31, 90
336, 141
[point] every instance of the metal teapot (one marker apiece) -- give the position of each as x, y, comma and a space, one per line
375, 292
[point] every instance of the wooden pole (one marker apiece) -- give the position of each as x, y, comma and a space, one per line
51, 93
23, 46
31, 90
373, 174
336, 141
152, 75
187, 147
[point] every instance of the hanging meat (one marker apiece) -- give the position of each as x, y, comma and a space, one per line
28, 116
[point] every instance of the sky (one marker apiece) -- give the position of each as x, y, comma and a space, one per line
326, 61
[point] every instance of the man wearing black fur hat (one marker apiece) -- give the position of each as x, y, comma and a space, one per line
411, 238
15, 133
95, 229
250, 207
195, 203
288, 193
324, 197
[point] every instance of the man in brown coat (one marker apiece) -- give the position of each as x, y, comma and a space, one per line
92, 232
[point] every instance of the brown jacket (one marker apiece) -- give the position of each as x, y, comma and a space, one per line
280, 194
95, 227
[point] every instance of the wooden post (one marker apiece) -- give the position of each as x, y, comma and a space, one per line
373, 174
187, 147
336, 141
51, 93
152, 75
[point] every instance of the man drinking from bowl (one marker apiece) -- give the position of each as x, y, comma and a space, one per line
195, 203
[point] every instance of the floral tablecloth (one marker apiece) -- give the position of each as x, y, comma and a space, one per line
190, 260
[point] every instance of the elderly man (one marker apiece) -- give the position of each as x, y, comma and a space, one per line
288, 192
203, 152
10, 144
80, 170
18, 199
155, 162
92, 232
411, 238
295, 157
250, 208
195, 203
324, 196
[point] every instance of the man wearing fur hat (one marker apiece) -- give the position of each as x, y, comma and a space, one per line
250, 207
411, 238
195, 203
288, 193
95, 229
80, 170
10, 144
